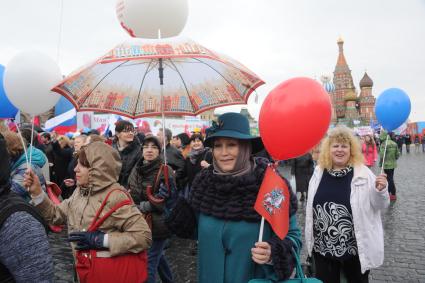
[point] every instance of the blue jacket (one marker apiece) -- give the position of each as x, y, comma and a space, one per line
19, 167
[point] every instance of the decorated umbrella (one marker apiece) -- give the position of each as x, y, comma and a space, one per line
125, 80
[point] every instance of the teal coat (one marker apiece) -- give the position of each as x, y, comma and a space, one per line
220, 214
224, 250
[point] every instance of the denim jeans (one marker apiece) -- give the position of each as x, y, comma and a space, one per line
158, 263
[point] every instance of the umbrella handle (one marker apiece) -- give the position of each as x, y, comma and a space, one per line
158, 200
152, 198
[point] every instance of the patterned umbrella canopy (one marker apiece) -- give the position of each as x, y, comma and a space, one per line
126, 80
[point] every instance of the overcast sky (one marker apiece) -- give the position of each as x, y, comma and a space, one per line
277, 39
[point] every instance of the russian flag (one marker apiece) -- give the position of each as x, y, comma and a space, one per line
64, 123
65, 119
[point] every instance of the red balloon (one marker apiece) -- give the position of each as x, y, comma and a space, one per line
294, 117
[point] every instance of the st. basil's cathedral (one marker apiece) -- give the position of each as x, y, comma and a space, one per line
348, 107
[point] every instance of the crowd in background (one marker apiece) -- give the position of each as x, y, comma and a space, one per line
194, 188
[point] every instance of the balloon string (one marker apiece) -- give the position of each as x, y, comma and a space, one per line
385, 151
60, 32
23, 145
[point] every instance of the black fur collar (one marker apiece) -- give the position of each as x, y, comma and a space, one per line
228, 197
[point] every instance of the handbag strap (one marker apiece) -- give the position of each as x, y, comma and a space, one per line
95, 222
295, 252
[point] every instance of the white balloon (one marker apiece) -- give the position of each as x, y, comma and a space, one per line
143, 18
28, 80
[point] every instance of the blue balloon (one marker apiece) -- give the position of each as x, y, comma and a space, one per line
7, 110
392, 108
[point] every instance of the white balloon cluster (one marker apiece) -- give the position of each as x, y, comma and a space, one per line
143, 18
28, 79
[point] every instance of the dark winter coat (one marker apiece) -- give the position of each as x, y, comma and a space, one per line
67, 191
176, 160
143, 175
399, 141
129, 156
193, 169
407, 139
302, 168
62, 157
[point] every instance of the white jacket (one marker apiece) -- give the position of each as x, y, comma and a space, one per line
366, 205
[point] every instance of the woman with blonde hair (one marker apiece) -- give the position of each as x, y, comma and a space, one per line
344, 233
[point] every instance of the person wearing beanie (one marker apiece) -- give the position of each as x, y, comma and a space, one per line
24, 245
144, 174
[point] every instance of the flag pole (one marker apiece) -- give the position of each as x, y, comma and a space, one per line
260, 237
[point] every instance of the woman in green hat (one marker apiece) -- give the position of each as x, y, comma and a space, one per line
220, 211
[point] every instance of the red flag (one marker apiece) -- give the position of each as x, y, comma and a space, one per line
273, 202
37, 121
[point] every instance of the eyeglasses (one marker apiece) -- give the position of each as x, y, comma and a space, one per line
128, 131
150, 147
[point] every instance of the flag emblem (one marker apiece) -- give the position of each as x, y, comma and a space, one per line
273, 200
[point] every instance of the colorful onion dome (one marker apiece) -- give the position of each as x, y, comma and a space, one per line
366, 81
329, 87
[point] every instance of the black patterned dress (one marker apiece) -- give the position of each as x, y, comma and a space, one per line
333, 227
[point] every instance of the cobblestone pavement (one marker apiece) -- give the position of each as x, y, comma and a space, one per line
404, 225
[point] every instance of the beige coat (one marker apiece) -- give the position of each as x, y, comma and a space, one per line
126, 228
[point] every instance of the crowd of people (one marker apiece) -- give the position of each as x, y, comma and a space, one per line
124, 198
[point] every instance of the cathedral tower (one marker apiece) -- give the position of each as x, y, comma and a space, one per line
367, 101
343, 82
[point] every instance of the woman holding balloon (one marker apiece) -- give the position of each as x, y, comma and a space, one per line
343, 229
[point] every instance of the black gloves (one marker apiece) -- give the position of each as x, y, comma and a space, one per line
88, 240
182, 220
